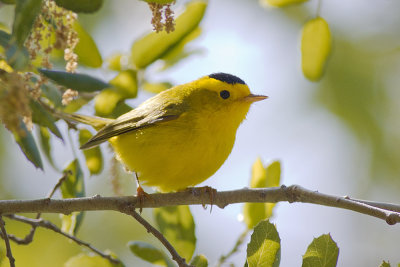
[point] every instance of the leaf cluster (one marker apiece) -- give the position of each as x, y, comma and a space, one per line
47, 90
52, 87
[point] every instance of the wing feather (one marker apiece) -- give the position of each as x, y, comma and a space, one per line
129, 122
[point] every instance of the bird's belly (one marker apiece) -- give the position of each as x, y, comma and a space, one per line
172, 159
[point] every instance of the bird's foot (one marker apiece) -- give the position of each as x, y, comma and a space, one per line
201, 191
141, 196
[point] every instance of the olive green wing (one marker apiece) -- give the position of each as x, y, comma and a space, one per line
131, 121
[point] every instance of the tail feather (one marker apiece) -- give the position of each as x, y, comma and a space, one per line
96, 122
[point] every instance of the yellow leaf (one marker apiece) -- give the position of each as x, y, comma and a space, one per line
163, 2
261, 177
258, 175
273, 173
4, 66
106, 101
126, 83
155, 45
89, 260
156, 87
315, 48
114, 62
178, 51
281, 3
86, 49
69, 222
93, 156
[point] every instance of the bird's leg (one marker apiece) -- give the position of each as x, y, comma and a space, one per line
140, 193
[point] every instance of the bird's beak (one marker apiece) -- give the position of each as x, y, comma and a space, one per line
254, 98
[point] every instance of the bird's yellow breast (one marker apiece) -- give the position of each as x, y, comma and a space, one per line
179, 153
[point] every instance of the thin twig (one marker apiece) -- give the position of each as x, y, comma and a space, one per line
150, 229
318, 8
4, 235
58, 184
235, 248
385, 206
53, 227
29, 237
290, 194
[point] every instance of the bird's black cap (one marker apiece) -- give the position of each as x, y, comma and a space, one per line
227, 78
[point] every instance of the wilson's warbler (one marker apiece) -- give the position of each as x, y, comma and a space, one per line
181, 136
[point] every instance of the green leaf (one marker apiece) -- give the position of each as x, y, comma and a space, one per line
163, 2
114, 62
322, 252
80, 6
273, 173
44, 141
2, 255
261, 177
109, 102
89, 260
72, 187
264, 249
282, 3
75, 81
42, 117
253, 213
106, 102
17, 57
199, 261
28, 146
126, 83
385, 264
52, 93
75, 105
177, 225
4, 38
177, 53
26, 12
70, 223
86, 49
156, 87
149, 253
9, 2
155, 45
120, 109
93, 156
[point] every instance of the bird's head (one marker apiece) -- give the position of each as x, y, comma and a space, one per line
223, 94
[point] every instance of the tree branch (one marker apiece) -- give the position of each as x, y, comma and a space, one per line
150, 229
290, 194
48, 225
4, 235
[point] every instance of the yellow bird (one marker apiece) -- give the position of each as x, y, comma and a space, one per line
181, 136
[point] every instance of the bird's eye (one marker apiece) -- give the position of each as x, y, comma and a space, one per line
225, 94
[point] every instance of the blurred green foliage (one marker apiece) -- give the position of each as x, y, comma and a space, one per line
149, 253
177, 225
353, 90
84, 6
89, 260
